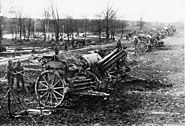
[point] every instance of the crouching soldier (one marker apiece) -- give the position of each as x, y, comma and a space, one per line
118, 45
10, 73
19, 75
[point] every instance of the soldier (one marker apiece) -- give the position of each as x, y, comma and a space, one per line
10, 73
119, 46
19, 77
56, 50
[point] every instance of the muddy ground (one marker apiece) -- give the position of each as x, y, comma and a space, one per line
131, 103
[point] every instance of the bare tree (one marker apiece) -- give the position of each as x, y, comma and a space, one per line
123, 25
67, 33
1, 18
99, 26
20, 23
112, 31
45, 23
76, 26
85, 27
1, 48
109, 15
12, 23
56, 21
24, 28
69, 30
29, 23
70, 25
16, 22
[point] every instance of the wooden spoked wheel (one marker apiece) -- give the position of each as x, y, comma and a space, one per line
141, 47
50, 89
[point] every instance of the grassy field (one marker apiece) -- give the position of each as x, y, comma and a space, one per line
131, 103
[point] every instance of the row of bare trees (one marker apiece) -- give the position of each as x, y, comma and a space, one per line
105, 24
19, 26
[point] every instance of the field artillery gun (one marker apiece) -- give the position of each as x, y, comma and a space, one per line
156, 40
90, 75
145, 42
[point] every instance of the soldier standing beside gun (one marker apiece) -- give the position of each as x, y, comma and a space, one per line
10, 73
19, 77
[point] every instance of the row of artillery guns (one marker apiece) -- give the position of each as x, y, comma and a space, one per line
90, 74
148, 42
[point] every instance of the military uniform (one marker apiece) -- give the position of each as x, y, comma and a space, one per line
56, 50
10, 73
19, 77
119, 46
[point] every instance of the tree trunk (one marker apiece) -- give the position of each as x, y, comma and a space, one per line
29, 28
107, 32
99, 30
1, 47
20, 28
0, 34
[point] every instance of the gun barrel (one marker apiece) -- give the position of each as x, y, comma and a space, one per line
108, 56
112, 59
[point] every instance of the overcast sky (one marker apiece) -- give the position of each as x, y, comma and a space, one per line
150, 10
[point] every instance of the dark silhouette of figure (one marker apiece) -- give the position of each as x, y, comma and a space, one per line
10, 73
19, 74
56, 50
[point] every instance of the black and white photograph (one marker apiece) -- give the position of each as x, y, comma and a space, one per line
92, 63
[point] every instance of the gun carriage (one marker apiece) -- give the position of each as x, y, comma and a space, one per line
144, 43
91, 74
